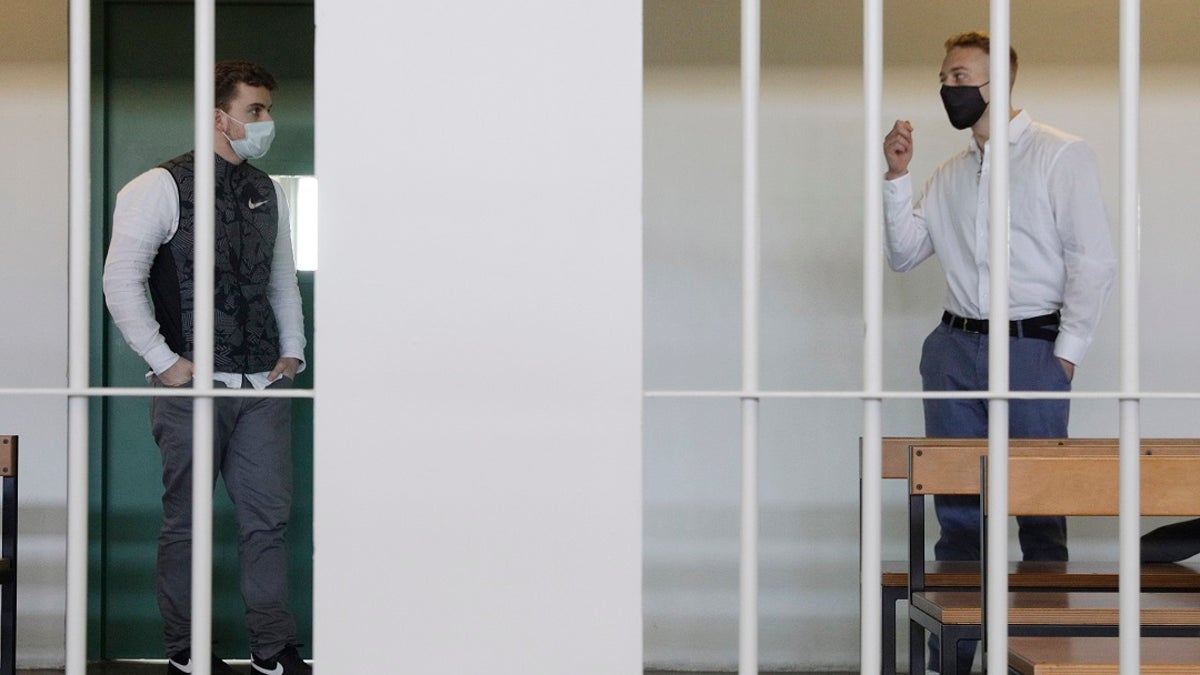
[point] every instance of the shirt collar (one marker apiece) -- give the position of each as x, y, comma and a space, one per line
1017, 127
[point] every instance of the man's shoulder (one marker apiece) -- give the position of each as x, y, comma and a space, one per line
1044, 134
1055, 149
186, 161
153, 179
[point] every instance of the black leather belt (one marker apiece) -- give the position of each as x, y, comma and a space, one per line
1043, 327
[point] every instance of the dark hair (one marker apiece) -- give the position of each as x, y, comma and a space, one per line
980, 40
229, 74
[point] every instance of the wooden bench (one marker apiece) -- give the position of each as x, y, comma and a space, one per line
8, 555
1074, 482
947, 576
1100, 656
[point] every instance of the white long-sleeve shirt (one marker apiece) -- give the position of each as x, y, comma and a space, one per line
146, 217
1061, 256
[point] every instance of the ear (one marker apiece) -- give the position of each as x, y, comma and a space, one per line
218, 120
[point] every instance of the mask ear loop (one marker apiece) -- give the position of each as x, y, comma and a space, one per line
225, 132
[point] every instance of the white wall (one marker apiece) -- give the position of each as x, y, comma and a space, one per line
812, 155
33, 302
478, 466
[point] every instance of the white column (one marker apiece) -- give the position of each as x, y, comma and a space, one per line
477, 431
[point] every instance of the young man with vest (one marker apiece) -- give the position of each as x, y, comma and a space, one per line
259, 343
1061, 271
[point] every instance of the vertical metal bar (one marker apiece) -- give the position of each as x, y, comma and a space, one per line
748, 578
748, 591
871, 545
202, 420
78, 349
1130, 511
998, 363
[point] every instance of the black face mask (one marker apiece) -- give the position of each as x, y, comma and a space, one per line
964, 104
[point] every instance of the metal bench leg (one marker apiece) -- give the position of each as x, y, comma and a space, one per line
8, 628
952, 637
949, 643
916, 648
891, 607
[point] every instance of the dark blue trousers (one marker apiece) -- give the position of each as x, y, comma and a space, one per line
955, 360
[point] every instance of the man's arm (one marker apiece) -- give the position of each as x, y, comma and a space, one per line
283, 292
146, 217
907, 241
1091, 265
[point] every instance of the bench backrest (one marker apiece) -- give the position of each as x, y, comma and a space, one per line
1089, 486
895, 449
8, 455
953, 468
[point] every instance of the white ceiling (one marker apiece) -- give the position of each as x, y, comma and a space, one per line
705, 32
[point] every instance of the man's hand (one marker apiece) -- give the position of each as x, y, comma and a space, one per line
898, 149
1068, 368
287, 367
179, 374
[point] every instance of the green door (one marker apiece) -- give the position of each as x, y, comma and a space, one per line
143, 55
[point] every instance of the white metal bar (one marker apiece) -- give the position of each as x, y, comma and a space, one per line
78, 359
748, 567
871, 534
1130, 511
750, 219
998, 361
908, 395
898, 395
748, 579
202, 341
1130, 583
118, 392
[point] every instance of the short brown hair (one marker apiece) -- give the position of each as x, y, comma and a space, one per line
980, 40
228, 74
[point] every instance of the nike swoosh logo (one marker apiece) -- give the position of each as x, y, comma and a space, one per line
278, 670
187, 668
254, 205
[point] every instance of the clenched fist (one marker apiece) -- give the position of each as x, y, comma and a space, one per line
898, 149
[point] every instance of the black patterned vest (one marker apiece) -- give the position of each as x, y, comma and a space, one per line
247, 217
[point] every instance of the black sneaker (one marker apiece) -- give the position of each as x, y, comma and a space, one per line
286, 662
181, 664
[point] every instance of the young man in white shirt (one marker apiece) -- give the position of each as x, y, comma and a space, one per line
1061, 272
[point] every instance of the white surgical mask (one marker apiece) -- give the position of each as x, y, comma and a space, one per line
257, 140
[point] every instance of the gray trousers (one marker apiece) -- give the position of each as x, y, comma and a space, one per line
252, 453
